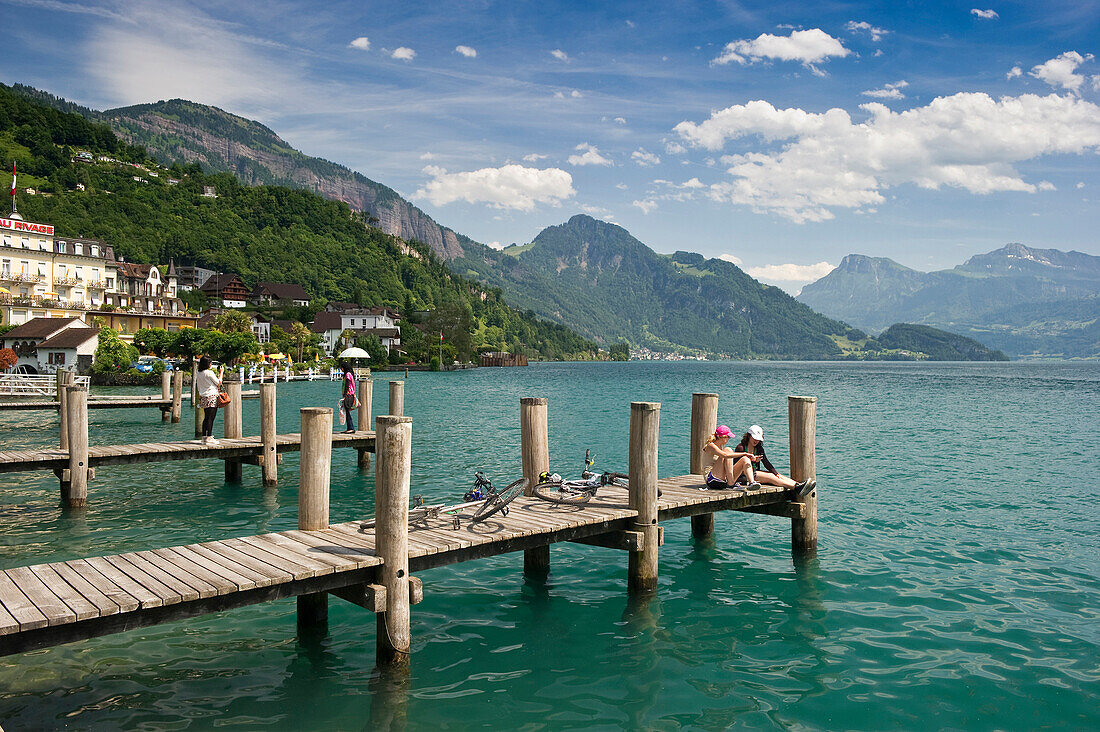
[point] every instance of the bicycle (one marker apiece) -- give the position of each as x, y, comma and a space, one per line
485, 498
554, 489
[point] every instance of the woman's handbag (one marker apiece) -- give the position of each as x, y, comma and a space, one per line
223, 399
351, 401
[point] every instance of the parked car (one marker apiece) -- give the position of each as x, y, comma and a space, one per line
146, 364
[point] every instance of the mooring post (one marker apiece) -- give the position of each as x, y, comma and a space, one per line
393, 472
177, 395
313, 490
269, 465
77, 410
704, 420
165, 394
66, 379
534, 435
802, 422
195, 399
62, 380
234, 429
644, 427
366, 396
397, 398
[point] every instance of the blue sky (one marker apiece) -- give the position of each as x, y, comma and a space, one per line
780, 135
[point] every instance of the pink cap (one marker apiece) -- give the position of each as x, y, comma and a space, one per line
722, 431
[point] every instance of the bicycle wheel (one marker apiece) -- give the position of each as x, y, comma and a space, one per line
499, 501
557, 492
622, 480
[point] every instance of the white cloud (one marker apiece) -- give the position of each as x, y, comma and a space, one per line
674, 148
646, 206
590, 156
594, 210
559, 54
986, 14
508, 187
644, 158
466, 51
631, 24
807, 46
534, 157
620, 120
730, 258
889, 91
427, 156
790, 273
693, 183
403, 53
1014, 72
1059, 71
562, 95
1080, 185
1096, 83
1046, 185
876, 33
362, 43
819, 162
495, 245
621, 186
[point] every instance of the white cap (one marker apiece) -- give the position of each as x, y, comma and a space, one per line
756, 433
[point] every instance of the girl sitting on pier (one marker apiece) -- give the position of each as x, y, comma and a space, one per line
752, 444
729, 465
207, 386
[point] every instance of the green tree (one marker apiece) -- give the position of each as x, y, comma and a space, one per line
112, 354
231, 321
188, 343
156, 341
373, 346
229, 347
620, 352
301, 336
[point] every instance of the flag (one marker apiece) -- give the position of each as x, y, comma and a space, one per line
14, 171
440, 332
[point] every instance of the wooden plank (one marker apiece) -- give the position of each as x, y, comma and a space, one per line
338, 562
178, 572
104, 605
145, 597
291, 554
784, 510
168, 588
296, 570
630, 541
204, 569
362, 556
82, 608
19, 606
8, 624
111, 590
242, 564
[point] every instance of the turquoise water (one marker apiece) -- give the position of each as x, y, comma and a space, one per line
957, 583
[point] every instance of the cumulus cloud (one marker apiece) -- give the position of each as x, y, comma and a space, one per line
817, 162
1014, 72
889, 91
985, 14
806, 46
1046, 185
403, 54
674, 148
865, 27
646, 205
590, 155
1060, 71
790, 274
594, 210
495, 245
362, 43
508, 187
730, 258
644, 158
467, 51
1080, 185
427, 156
559, 54
620, 120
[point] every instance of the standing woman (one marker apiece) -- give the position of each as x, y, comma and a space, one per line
752, 444
207, 386
729, 465
349, 402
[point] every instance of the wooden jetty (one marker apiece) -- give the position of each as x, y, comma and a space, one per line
61, 602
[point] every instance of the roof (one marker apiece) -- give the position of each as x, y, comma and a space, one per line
69, 338
340, 306
280, 291
326, 321
380, 332
223, 281
134, 270
37, 328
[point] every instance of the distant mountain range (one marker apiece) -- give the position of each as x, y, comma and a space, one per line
1024, 301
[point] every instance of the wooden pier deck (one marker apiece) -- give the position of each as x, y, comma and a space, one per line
12, 461
61, 602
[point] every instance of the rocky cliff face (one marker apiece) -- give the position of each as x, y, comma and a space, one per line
257, 156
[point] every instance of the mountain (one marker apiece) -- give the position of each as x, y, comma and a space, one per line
1019, 299
610, 286
935, 344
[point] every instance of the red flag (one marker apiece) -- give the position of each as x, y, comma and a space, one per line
440, 332
14, 171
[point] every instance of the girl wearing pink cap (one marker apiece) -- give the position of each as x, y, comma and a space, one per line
729, 465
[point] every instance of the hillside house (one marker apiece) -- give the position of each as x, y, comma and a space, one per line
380, 322
226, 289
279, 293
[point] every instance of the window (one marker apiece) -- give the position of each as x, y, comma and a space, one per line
7, 240
57, 358
5, 267
78, 248
111, 282
26, 243
95, 250
79, 273
41, 269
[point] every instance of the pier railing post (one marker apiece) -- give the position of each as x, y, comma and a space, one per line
397, 398
704, 420
313, 498
234, 429
366, 397
77, 412
165, 394
269, 466
644, 429
177, 395
534, 435
802, 421
393, 469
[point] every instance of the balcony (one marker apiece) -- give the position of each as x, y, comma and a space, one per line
96, 285
20, 277
67, 280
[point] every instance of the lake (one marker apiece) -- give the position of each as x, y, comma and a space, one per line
957, 583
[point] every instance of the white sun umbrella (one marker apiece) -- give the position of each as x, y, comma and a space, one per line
353, 352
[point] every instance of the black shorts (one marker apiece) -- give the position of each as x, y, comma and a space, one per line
715, 484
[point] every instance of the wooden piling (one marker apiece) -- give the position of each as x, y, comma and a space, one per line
397, 398
177, 395
393, 468
802, 422
234, 429
165, 394
534, 438
644, 429
366, 397
269, 464
313, 498
77, 411
704, 420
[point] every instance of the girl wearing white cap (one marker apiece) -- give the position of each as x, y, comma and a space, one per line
752, 444
729, 465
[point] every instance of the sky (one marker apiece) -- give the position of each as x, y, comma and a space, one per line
778, 135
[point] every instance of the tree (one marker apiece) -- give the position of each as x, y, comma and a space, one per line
229, 347
188, 343
156, 341
112, 354
232, 321
374, 348
300, 335
7, 358
620, 352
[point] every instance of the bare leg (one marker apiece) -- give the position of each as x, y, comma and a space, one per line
775, 479
741, 467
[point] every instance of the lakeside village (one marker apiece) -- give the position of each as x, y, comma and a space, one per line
69, 303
